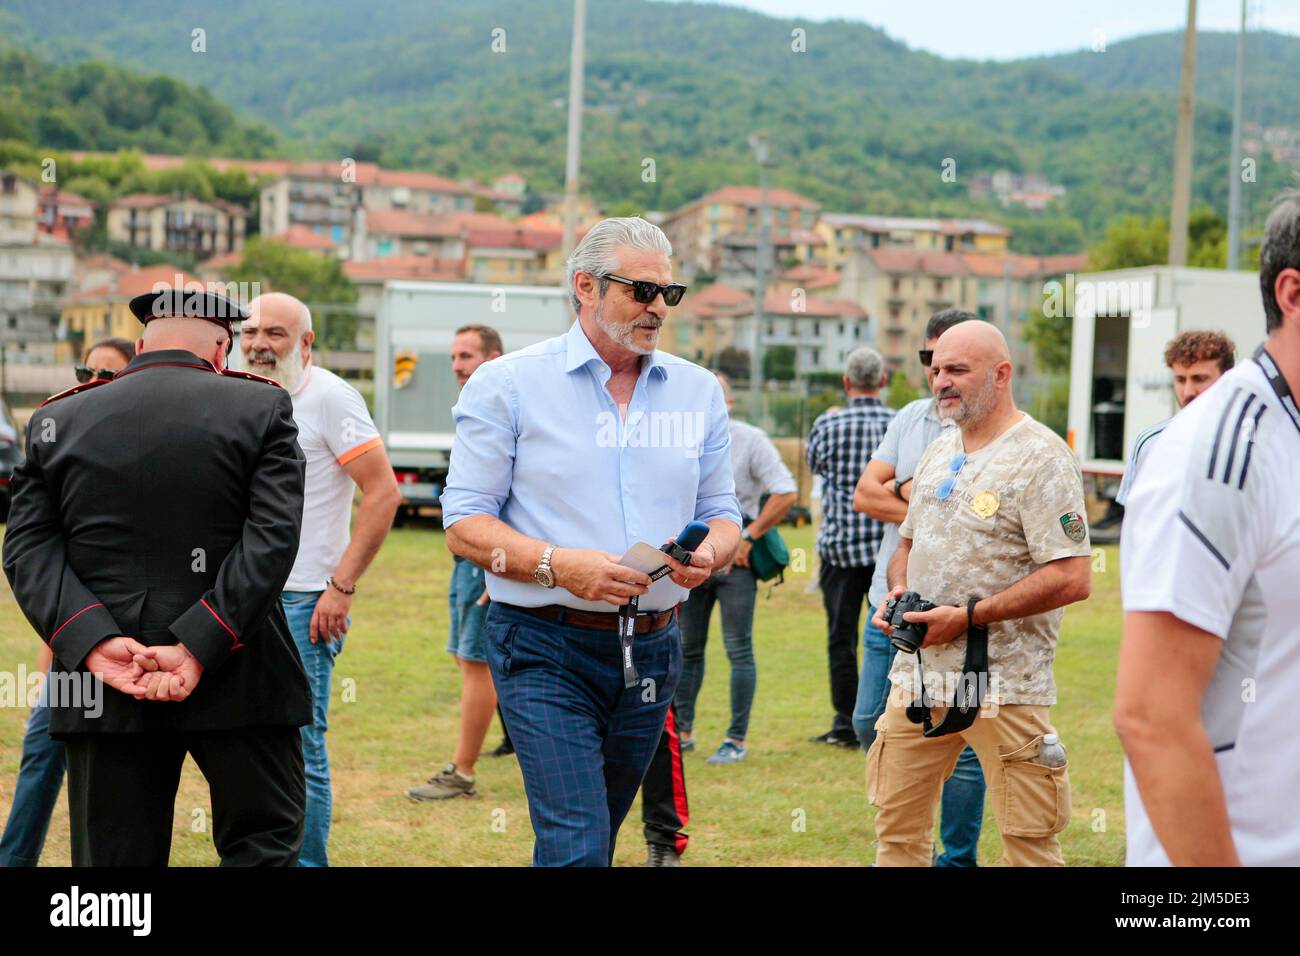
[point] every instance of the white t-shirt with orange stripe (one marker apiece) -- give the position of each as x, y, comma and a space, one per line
334, 427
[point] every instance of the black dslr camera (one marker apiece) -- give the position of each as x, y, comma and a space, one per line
908, 635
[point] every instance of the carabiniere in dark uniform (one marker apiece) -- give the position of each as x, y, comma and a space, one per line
165, 505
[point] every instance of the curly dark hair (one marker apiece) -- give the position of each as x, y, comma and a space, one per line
1201, 346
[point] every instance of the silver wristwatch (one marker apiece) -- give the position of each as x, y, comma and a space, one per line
543, 574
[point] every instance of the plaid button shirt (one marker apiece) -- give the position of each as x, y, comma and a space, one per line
839, 447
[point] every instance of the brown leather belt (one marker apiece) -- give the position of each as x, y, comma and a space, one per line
569, 617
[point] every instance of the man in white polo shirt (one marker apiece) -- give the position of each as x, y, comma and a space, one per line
343, 449
1209, 669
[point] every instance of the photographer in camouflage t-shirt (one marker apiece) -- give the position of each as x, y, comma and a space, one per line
996, 513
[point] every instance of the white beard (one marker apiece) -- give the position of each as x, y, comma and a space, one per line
287, 371
623, 335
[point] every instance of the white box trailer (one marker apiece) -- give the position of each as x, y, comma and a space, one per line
414, 385
1119, 384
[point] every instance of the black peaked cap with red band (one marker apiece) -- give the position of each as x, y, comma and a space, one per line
189, 304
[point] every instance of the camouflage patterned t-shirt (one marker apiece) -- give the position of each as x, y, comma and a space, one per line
1017, 504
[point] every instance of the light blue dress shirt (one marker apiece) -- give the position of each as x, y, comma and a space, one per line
540, 444
908, 436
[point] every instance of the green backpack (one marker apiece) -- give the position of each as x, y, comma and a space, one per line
769, 557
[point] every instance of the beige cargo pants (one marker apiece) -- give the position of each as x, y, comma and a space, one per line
906, 771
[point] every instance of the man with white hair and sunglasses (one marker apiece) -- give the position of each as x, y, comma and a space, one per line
567, 454
343, 449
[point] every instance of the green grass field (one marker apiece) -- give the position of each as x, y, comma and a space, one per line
393, 721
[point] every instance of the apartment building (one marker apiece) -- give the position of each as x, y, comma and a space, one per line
718, 232
35, 272
843, 232
902, 288
177, 224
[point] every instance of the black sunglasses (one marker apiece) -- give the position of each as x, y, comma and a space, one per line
926, 356
645, 291
85, 373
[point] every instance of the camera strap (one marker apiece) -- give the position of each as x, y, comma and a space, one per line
968, 697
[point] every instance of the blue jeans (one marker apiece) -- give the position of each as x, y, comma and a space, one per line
467, 615
40, 778
962, 813
584, 741
736, 593
318, 662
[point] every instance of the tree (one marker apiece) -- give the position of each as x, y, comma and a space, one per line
315, 279
1132, 241
734, 363
627, 207
1050, 338
779, 362
901, 390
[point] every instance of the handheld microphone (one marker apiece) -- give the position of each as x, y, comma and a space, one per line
692, 537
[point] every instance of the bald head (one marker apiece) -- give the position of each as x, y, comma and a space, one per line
973, 373
205, 339
280, 308
976, 341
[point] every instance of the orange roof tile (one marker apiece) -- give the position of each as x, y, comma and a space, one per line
512, 237
141, 201
779, 303
753, 196
413, 179
91, 263
127, 285
401, 222
403, 267
811, 276
301, 237
221, 262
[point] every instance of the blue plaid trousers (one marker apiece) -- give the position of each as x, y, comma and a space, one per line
583, 741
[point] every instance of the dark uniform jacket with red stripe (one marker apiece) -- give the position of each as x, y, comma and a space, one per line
165, 505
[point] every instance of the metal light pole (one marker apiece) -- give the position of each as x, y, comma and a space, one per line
572, 162
1234, 183
1182, 198
759, 143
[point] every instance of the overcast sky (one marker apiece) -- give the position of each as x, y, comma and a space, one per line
1010, 29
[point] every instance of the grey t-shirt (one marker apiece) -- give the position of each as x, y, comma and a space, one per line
908, 436
757, 467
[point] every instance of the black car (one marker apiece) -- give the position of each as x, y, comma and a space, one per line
9, 458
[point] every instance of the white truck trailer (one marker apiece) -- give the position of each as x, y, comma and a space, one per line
414, 385
1119, 384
